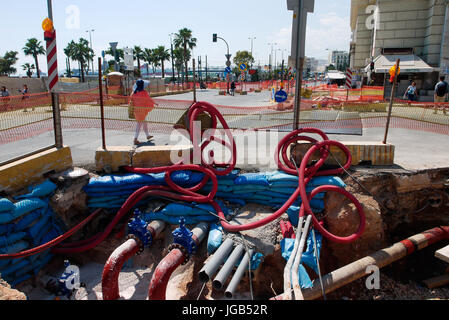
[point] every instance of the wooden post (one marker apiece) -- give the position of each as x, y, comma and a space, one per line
393, 92
100, 81
298, 94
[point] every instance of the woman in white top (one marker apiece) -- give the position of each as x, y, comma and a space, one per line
411, 93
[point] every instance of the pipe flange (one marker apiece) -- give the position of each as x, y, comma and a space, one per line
182, 249
139, 242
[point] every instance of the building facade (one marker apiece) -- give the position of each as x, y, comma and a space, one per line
419, 24
340, 59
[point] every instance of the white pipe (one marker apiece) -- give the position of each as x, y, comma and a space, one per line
295, 268
288, 266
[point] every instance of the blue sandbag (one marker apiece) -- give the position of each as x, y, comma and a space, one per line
293, 211
6, 205
40, 190
6, 228
215, 237
27, 220
278, 177
6, 241
14, 267
252, 178
230, 176
220, 188
14, 248
36, 228
19, 280
45, 229
21, 208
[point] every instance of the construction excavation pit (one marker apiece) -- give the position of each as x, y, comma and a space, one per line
317, 227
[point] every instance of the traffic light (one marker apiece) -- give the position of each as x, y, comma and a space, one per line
214, 37
372, 66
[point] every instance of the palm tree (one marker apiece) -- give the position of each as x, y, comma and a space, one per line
147, 56
179, 61
29, 69
183, 39
82, 53
163, 55
69, 50
34, 48
138, 55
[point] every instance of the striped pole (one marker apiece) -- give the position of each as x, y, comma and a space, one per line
52, 61
348, 84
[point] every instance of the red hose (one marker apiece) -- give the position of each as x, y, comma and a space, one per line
162, 274
112, 268
52, 243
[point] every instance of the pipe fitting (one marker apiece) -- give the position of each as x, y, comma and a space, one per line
138, 230
183, 240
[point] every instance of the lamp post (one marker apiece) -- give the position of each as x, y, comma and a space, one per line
172, 60
90, 38
271, 55
252, 39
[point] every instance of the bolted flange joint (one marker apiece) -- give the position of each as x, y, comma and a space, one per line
138, 230
183, 240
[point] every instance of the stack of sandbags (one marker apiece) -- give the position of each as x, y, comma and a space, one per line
26, 224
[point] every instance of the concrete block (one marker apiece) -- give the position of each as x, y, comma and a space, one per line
411, 33
377, 153
30, 170
386, 34
158, 156
394, 43
395, 25
112, 158
407, 15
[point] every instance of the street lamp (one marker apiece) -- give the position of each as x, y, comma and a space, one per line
271, 55
252, 39
90, 37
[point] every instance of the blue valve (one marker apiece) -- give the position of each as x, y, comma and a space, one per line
183, 237
138, 227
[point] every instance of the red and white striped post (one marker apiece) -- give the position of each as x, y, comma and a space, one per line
348, 84
52, 64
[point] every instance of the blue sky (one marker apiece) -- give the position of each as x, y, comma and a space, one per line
148, 23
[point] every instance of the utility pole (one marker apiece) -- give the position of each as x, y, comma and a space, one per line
300, 10
206, 69
228, 56
92, 60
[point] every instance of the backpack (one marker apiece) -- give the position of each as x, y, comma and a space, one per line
441, 89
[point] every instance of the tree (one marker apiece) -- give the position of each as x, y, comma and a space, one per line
28, 68
162, 55
7, 62
243, 57
147, 56
138, 55
34, 48
330, 67
183, 39
69, 51
82, 53
178, 56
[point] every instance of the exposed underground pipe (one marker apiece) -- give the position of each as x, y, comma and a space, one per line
227, 268
295, 267
123, 253
217, 259
238, 275
291, 259
357, 269
177, 256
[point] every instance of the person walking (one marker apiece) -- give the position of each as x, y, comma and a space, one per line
142, 104
4, 97
25, 95
411, 93
441, 91
232, 88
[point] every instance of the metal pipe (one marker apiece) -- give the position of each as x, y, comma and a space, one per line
216, 260
114, 264
103, 134
227, 268
112, 268
57, 126
357, 269
238, 275
161, 275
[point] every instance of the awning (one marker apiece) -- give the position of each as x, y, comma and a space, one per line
335, 76
409, 64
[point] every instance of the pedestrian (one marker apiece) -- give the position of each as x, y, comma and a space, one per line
4, 97
411, 93
25, 95
232, 88
142, 104
441, 91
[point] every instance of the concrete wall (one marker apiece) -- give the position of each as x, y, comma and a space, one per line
35, 85
414, 24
